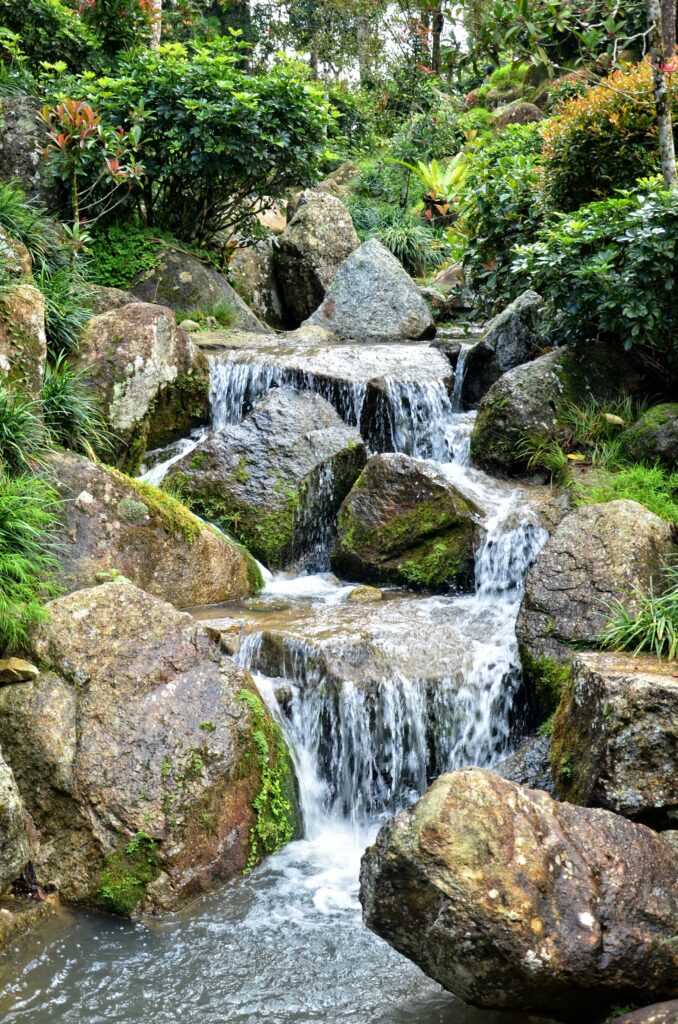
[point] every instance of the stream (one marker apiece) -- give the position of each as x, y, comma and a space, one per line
375, 700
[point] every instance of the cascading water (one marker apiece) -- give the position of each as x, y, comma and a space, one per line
374, 702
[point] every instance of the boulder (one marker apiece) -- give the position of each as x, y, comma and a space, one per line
139, 753
21, 140
253, 275
372, 298
15, 258
510, 339
182, 281
659, 1013
654, 437
597, 554
23, 343
530, 765
517, 112
513, 901
153, 384
615, 737
112, 524
315, 243
101, 300
275, 480
14, 852
404, 523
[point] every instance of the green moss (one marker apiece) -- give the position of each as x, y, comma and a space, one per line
275, 822
127, 873
176, 518
134, 512
545, 680
437, 563
568, 760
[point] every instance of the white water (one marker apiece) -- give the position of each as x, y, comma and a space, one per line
286, 945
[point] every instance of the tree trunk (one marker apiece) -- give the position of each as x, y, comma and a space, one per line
660, 86
669, 26
437, 25
156, 23
362, 34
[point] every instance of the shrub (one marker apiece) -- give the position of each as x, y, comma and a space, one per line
651, 626
602, 141
217, 142
431, 135
23, 440
501, 208
66, 309
71, 410
609, 272
50, 31
15, 76
118, 24
28, 559
121, 251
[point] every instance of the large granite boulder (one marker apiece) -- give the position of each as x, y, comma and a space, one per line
372, 298
14, 852
23, 343
113, 524
252, 271
275, 480
510, 339
143, 755
21, 142
659, 1013
153, 384
184, 282
597, 554
513, 901
404, 523
615, 737
315, 243
654, 437
100, 299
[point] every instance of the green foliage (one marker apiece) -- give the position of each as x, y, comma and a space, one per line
50, 31
126, 874
71, 410
119, 252
508, 74
418, 246
23, 441
431, 134
653, 486
118, 24
216, 140
15, 76
501, 208
608, 272
652, 623
274, 816
223, 311
545, 680
28, 559
66, 309
176, 518
25, 221
602, 140
542, 452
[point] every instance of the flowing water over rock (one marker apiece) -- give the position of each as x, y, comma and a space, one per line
375, 700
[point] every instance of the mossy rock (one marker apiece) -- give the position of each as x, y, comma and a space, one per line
654, 438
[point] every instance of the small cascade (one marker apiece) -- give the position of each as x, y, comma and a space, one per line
165, 458
236, 386
415, 418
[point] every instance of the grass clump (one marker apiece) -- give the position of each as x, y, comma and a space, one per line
23, 439
223, 312
28, 556
274, 824
66, 309
127, 873
652, 623
71, 411
653, 486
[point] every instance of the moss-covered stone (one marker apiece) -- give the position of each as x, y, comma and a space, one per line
127, 873
545, 680
654, 438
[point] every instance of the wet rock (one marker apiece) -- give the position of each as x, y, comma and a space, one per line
373, 299
530, 765
113, 524
23, 344
153, 384
510, 339
14, 852
21, 916
365, 595
654, 438
404, 523
316, 242
16, 670
182, 281
16, 259
596, 554
101, 300
513, 901
275, 480
615, 737
517, 112
659, 1013
21, 140
252, 272
134, 753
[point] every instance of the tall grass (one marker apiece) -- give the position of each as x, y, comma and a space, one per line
652, 625
23, 439
71, 410
66, 309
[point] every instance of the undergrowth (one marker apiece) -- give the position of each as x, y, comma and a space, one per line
71, 410
651, 623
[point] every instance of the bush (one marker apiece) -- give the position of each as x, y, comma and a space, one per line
121, 251
28, 559
431, 135
71, 410
22, 434
216, 141
603, 140
652, 625
501, 208
50, 31
609, 272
